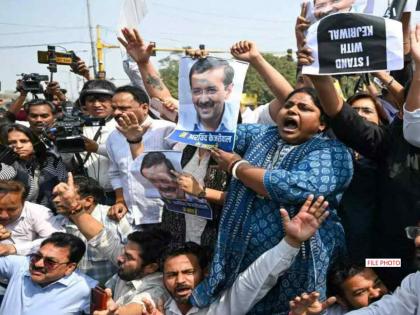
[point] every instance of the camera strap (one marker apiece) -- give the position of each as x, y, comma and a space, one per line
81, 161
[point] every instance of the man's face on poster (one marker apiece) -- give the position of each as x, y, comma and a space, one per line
209, 94
161, 178
325, 7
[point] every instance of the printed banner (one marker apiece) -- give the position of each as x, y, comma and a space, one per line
210, 90
318, 9
345, 43
156, 167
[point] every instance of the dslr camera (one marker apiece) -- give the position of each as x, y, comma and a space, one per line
68, 129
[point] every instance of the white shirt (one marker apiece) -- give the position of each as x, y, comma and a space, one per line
125, 173
30, 229
412, 127
250, 286
94, 262
150, 286
134, 291
260, 115
98, 163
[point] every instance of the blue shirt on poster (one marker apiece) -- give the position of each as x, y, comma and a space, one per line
227, 124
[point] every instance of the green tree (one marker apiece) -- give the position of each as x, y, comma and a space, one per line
255, 85
168, 70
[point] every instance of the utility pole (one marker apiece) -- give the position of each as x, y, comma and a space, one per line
92, 40
100, 45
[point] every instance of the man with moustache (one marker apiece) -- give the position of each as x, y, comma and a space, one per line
211, 82
40, 115
23, 225
352, 286
47, 282
405, 300
95, 97
136, 132
138, 275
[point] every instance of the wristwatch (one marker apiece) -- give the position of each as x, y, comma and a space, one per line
135, 141
202, 193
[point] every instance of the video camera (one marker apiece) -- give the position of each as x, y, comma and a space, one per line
32, 82
68, 129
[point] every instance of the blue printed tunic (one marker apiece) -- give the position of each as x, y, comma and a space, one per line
251, 224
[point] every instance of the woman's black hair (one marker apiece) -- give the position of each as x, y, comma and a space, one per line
315, 98
40, 151
383, 118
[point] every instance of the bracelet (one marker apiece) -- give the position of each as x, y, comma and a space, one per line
390, 82
235, 167
231, 165
135, 141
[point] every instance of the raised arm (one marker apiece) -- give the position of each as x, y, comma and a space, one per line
412, 106
331, 101
131, 129
80, 68
413, 97
68, 200
247, 51
254, 283
141, 52
18, 103
393, 86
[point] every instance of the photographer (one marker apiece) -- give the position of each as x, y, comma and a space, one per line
96, 98
16, 107
55, 95
40, 115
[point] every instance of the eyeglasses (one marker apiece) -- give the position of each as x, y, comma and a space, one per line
412, 232
98, 97
49, 263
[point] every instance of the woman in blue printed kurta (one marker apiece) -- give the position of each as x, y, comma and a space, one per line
286, 164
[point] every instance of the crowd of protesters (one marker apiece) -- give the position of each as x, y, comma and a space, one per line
315, 186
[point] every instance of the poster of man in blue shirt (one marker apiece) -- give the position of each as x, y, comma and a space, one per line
159, 168
211, 82
209, 95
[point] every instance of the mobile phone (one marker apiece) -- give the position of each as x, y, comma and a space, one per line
98, 299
